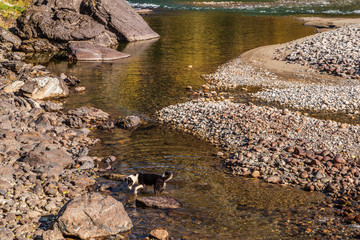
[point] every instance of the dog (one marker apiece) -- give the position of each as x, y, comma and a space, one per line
148, 179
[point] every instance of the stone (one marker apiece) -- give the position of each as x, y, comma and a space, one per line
8, 37
80, 89
6, 234
163, 202
51, 106
309, 187
255, 174
38, 45
93, 215
159, 233
273, 179
62, 25
129, 122
86, 51
339, 159
52, 235
50, 162
13, 87
357, 218
89, 114
4, 186
44, 88
119, 17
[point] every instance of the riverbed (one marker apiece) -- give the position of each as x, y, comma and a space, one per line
215, 204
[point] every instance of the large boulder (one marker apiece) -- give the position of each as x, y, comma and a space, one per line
86, 51
44, 88
119, 17
93, 215
61, 26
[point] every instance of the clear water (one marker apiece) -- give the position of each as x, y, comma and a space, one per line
258, 7
215, 204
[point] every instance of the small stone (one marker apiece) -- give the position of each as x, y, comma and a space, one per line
339, 159
255, 174
273, 179
304, 175
159, 233
309, 187
80, 89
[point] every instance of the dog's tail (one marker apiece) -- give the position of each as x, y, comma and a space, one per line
167, 176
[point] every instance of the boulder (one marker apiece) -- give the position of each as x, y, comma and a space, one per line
86, 51
44, 88
61, 26
89, 114
163, 202
129, 122
9, 38
93, 215
119, 17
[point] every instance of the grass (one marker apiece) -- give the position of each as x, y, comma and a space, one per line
10, 10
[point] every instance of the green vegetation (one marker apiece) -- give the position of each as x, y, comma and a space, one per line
10, 10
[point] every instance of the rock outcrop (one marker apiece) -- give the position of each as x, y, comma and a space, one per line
101, 22
93, 215
119, 17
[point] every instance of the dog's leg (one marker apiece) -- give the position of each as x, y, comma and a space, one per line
138, 188
159, 186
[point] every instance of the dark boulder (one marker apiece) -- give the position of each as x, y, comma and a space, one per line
93, 215
85, 51
62, 26
119, 17
129, 122
163, 202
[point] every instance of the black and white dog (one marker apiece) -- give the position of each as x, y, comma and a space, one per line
148, 179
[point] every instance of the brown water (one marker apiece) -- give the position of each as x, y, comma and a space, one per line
215, 204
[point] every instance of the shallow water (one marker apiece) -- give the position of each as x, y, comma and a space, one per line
215, 204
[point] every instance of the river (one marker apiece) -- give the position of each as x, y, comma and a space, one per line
216, 205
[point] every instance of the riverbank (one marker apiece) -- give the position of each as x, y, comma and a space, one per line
318, 72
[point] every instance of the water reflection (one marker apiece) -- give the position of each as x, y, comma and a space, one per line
158, 72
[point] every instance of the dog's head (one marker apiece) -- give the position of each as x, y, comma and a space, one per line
131, 180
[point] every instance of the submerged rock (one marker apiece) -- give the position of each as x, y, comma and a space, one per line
129, 122
86, 51
93, 215
163, 202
